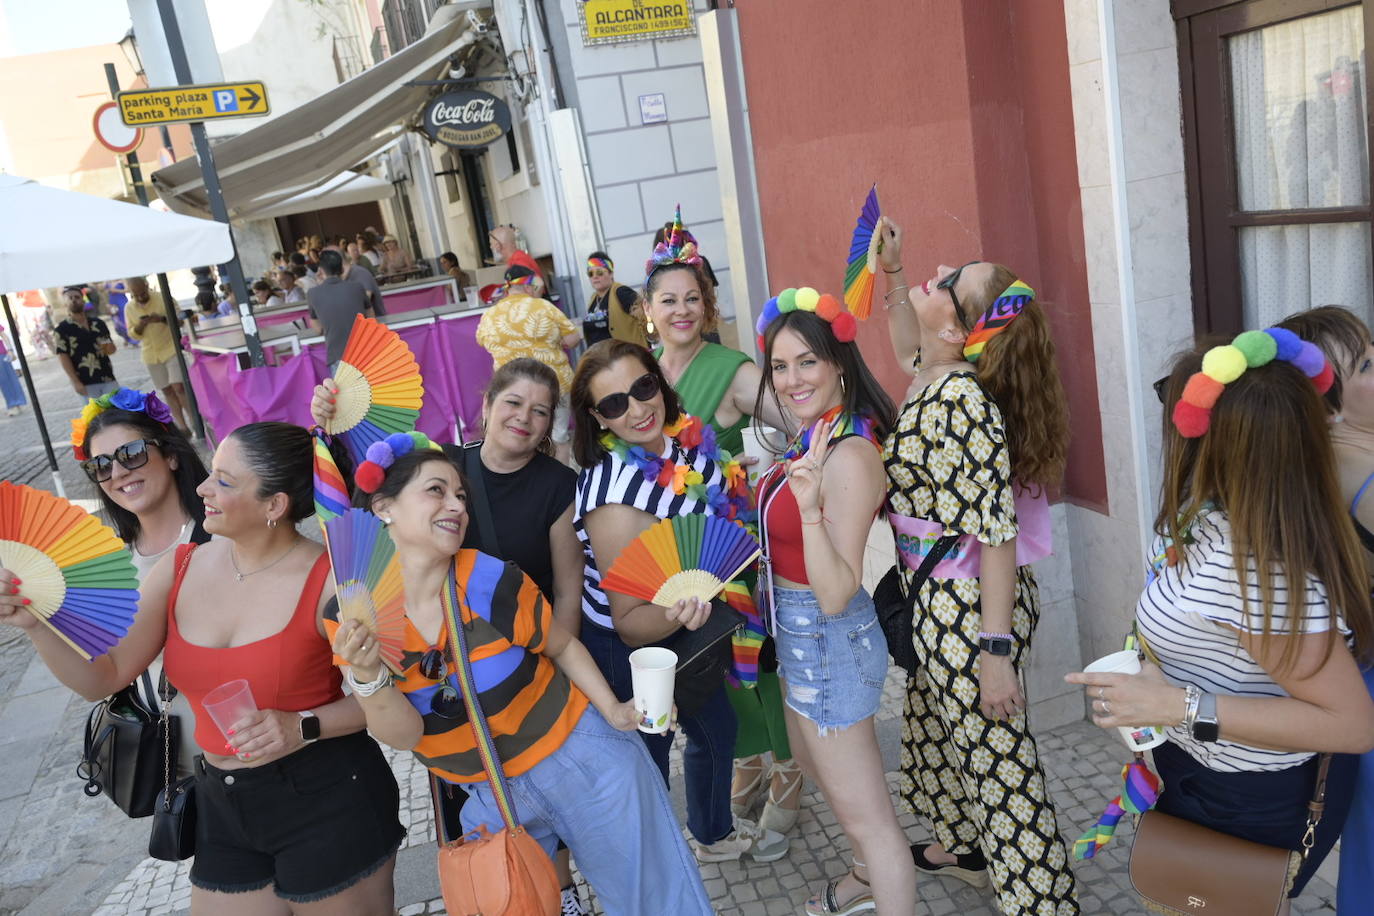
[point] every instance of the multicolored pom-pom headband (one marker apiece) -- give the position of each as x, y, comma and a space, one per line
383, 454
1223, 365
677, 248
994, 320
825, 307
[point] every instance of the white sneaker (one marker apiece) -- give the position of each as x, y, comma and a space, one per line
747, 838
572, 903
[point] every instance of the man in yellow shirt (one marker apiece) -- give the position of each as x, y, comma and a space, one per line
146, 317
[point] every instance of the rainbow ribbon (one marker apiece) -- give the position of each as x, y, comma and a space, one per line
1139, 792
747, 642
331, 493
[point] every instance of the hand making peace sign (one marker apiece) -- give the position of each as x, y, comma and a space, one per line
804, 473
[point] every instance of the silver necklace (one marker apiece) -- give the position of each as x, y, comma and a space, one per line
239, 576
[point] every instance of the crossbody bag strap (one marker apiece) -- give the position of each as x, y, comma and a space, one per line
1317, 806
165, 695
937, 553
486, 745
486, 525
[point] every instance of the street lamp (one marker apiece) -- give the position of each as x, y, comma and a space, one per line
129, 45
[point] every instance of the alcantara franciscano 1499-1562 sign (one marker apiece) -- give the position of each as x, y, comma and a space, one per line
611, 21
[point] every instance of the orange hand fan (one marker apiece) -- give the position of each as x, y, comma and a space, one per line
380, 389
863, 258
367, 579
691, 556
76, 572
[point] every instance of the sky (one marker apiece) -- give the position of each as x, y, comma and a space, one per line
36, 26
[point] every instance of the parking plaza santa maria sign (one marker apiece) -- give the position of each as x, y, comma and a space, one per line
612, 21
466, 118
204, 102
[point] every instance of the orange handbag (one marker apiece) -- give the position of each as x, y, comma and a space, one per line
481, 873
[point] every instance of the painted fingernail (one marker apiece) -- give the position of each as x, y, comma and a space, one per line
17, 581
14, 591
230, 732
228, 749
26, 601
232, 749
247, 756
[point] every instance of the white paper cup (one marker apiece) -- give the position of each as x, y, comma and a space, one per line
652, 672
1137, 737
229, 704
756, 447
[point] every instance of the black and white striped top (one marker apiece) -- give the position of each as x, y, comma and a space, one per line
1188, 617
614, 481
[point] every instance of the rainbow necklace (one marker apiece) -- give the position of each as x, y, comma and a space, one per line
846, 424
731, 501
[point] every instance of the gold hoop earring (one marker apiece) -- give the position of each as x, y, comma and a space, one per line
271, 523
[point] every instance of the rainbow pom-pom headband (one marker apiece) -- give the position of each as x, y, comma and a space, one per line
823, 305
383, 454
1223, 365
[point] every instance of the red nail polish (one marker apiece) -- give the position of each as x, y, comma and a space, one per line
17, 581
247, 756
228, 749
26, 601
232, 749
230, 732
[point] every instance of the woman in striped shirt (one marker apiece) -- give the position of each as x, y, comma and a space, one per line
1256, 607
573, 772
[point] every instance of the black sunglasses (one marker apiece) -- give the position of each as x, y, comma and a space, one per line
132, 455
1161, 387
613, 406
447, 702
947, 284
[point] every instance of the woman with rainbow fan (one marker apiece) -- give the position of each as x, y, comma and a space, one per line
643, 459
721, 386
981, 437
816, 507
559, 732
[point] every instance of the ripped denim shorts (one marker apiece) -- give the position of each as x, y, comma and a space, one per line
834, 664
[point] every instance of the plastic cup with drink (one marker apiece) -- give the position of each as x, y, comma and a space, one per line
652, 672
1127, 661
229, 704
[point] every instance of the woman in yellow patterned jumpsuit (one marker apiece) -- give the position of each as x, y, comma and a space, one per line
982, 434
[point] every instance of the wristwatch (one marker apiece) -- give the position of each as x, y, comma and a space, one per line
1205, 725
310, 726
995, 643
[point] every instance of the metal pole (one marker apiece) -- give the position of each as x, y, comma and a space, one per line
212, 190
168, 303
33, 397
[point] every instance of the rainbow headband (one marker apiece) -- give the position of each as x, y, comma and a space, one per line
526, 280
130, 399
1004, 309
678, 248
824, 306
603, 263
1223, 365
383, 454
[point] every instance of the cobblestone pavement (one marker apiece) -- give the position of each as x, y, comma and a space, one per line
61, 852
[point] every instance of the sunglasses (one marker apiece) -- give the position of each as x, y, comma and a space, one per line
613, 406
132, 455
947, 284
1161, 387
447, 702
598, 272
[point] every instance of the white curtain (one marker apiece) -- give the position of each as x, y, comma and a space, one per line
1299, 109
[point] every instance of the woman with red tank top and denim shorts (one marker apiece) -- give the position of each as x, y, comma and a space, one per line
297, 807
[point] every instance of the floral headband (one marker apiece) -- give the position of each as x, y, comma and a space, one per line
383, 454
1004, 309
605, 264
130, 399
678, 248
825, 307
1223, 365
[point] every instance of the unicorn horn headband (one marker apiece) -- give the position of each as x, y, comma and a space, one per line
674, 249
1223, 365
824, 306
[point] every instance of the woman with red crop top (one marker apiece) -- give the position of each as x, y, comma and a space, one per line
298, 812
816, 506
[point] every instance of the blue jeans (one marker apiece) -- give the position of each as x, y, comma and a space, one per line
599, 792
707, 761
834, 665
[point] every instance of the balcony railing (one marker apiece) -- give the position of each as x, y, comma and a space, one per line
379, 50
405, 21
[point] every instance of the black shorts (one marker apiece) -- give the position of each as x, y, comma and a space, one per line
311, 824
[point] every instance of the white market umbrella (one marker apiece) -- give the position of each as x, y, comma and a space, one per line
54, 237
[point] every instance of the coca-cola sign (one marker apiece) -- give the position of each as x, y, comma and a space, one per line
466, 118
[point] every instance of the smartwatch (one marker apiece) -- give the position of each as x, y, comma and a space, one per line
995, 643
310, 726
1205, 726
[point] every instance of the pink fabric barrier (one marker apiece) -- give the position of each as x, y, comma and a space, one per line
281, 317
454, 366
408, 300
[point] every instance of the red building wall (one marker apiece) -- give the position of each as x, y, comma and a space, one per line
961, 111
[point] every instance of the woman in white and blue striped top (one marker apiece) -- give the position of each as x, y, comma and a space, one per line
1255, 675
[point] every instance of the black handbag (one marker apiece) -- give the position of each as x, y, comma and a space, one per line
123, 746
173, 837
703, 657
897, 611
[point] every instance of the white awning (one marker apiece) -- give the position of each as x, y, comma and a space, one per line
304, 148
339, 191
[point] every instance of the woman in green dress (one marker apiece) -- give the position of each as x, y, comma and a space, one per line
721, 386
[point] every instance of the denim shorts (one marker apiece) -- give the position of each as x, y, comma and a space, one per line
834, 664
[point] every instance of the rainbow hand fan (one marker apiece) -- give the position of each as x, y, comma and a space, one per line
367, 579
77, 573
331, 493
380, 389
691, 556
863, 258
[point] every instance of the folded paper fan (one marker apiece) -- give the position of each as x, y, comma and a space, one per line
367, 579
76, 572
691, 556
380, 389
331, 493
863, 258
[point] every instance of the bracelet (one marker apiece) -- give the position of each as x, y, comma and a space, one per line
816, 522
368, 688
889, 306
996, 636
897, 271
888, 294
1193, 696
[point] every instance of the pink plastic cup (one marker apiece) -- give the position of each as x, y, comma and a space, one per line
229, 704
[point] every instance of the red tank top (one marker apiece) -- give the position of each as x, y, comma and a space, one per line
782, 521
291, 670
